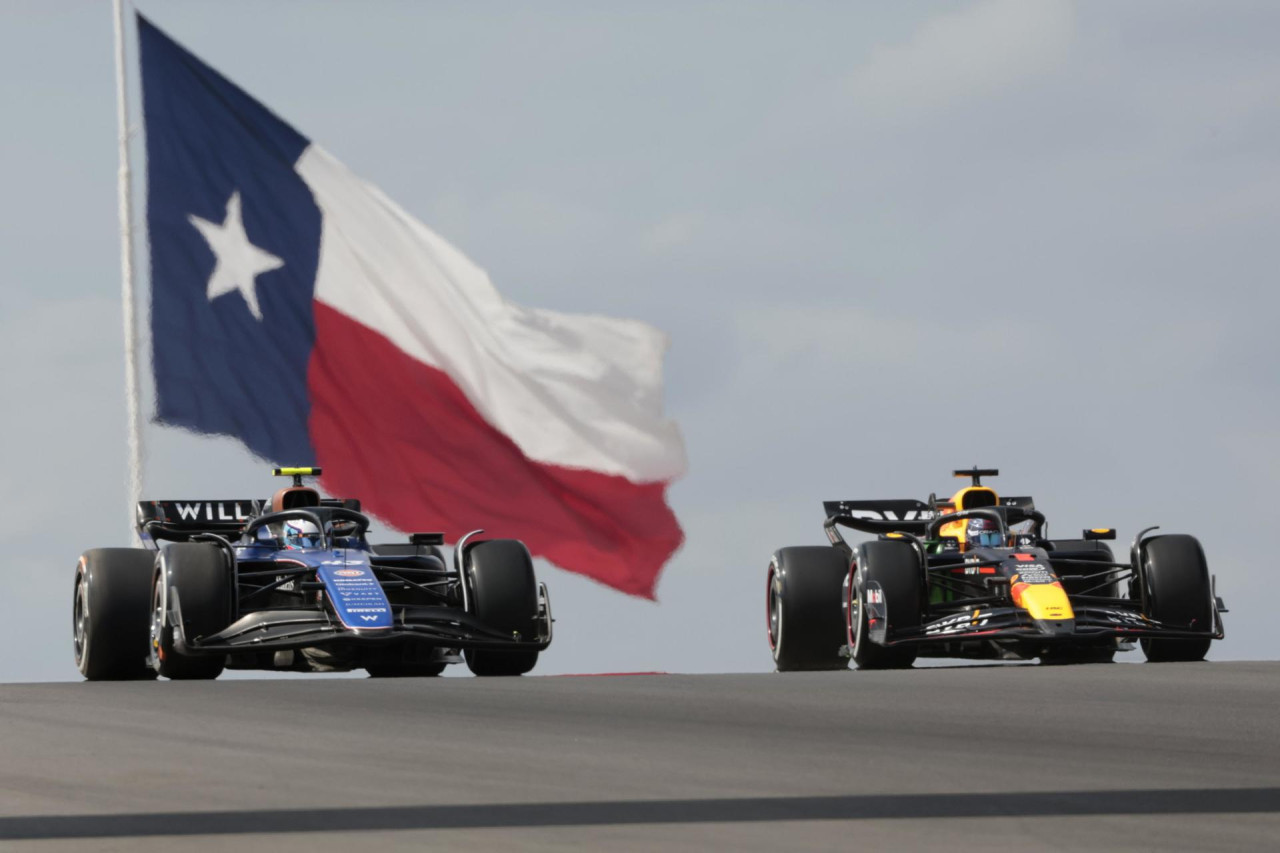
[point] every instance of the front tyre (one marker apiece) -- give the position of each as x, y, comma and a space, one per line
504, 596
890, 572
200, 575
806, 626
1179, 595
109, 613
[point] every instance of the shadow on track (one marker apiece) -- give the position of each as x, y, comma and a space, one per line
622, 812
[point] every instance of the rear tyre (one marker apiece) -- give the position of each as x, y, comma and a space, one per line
504, 596
109, 613
202, 578
1179, 595
806, 626
895, 568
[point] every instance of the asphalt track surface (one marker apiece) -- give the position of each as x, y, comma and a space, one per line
1126, 756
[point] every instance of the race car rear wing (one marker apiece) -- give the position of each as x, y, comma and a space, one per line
910, 516
886, 516
177, 521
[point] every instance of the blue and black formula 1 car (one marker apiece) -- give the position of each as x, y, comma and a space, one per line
977, 576
293, 584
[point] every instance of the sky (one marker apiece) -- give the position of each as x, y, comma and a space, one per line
886, 241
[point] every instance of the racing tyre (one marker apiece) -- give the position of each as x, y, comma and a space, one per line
806, 626
504, 596
200, 575
109, 614
1179, 594
889, 571
1079, 553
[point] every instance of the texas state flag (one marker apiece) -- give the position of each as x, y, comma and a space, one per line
303, 312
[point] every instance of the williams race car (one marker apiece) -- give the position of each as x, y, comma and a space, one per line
292, 584
977, 576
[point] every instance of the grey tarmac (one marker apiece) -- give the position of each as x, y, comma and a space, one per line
1116, 757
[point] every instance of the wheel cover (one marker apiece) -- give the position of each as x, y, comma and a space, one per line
775, 612
154, 651
853, 622
80, 620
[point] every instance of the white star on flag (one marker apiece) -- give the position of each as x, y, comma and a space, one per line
239, 262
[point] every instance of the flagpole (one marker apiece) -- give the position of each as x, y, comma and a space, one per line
125, 192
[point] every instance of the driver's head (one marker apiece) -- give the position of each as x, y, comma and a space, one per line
300, 533
983, 533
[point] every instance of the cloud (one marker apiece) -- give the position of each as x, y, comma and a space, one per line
972, 53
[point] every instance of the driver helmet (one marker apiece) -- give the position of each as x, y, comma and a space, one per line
984, 533
300, 533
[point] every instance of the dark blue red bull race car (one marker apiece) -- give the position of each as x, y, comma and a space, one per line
977, 576
293, 584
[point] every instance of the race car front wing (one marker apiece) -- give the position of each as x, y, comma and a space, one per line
278, 630
1014, 623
